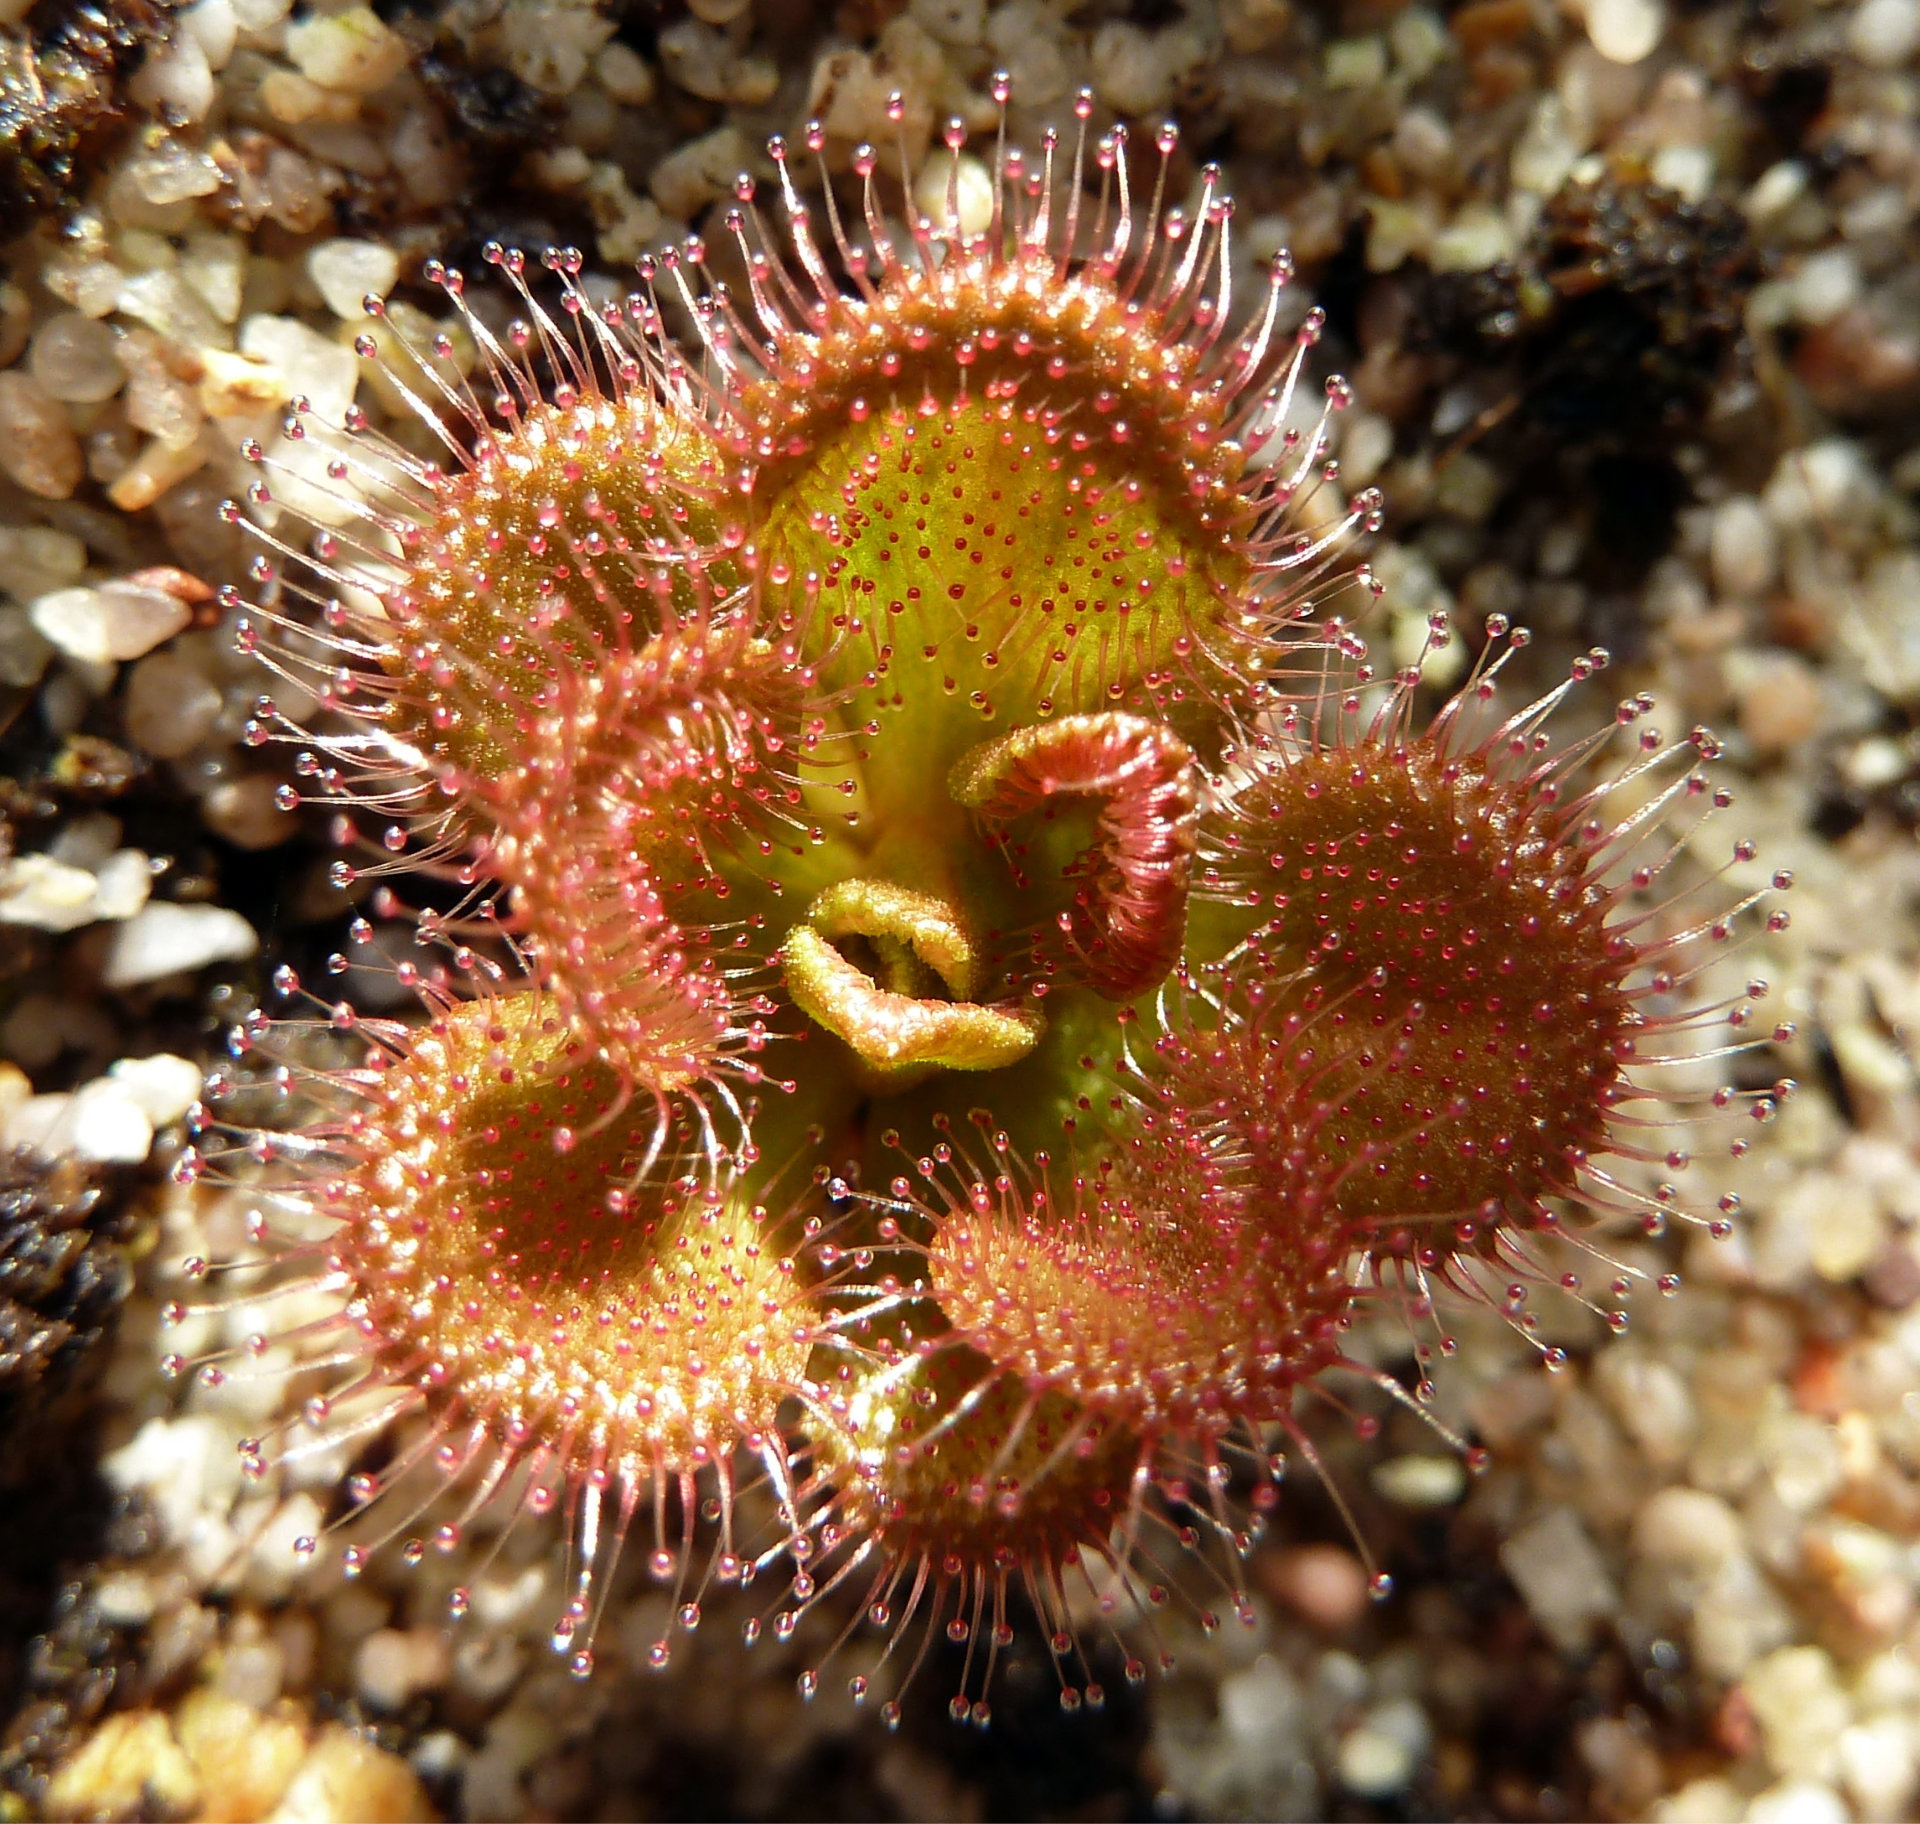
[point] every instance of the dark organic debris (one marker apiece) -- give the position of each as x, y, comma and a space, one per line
61, 82
1619, 314
64, 1273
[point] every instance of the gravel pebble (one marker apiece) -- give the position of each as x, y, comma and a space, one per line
1782, 703
699, 173
38, 448
1884, 33
177, 79
392, 1666
170, 306
1421, 1480
248, 813
246, 1761
76, 359
348, 272
53, 895
1373, 1765
122, 620
344, 1779
1797, 1699
164, 939
100, 1121
1561, 1575
129, 1763
351, 51
1745, 551
162, 1086
1626, 31
625, 75
1325, 1584
964, 185
171, 705
36, 559
1797, 1802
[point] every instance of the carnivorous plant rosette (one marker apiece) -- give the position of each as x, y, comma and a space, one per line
959, 984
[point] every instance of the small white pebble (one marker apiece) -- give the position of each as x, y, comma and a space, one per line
1372, 1765
1884, 33
1561, 1576
1801, 1707
38, 448
37, 891
214, 28
1775, 191
1711, 1801
625, 74
174, 172
1880, 1766
551, 47
1468, 486
122, 884
351, 51
972, 186
1782, 702
348, 272
274, 1565
424, 158
1422, 143
1397, 232
391, 1667
1262, 1707
1687, 1527
1625, 31
1421, 1480
156, 469
1823, 484
176, 79
1545, 151
108, 1125
127, 1599
1355, 63
253, 1672
700, 172
24, 652
345, 1777
163, 1086
115, 621
76, 359
487, 1666
313, 366
172, 308
1797, 1802
247, 812
171, 705
503, 1599
1130, 74
1742, 547
1826, 284
165, 939
37, 559
98, 1122
87, 840
1686, 170
215, 266
1366, 444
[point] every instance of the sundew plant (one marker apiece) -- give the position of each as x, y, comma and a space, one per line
958, 983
